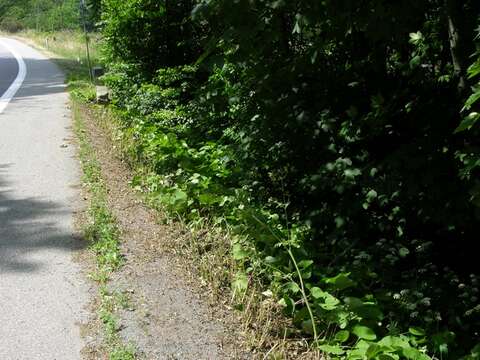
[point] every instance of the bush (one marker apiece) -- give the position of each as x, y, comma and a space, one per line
327, 144
11, 25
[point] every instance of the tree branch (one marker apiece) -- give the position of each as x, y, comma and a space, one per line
457, 48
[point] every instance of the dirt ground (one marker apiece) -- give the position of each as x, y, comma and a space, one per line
167, 315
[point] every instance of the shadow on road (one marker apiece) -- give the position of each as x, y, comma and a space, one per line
44, 77
27, 228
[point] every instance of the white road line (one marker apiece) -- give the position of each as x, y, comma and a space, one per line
22, 72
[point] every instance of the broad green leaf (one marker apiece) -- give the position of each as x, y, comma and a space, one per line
316, 292
305, 264
415, 61
353, 302
371, 195
238, 252
208, 199
468, 122
413, 354
364, 332
474, 353
278, 4
352, 173
373, 350
416, 331
293, 287
342, 336
240, 283
329, 302
340, 282
332, 349
472, 99
370, 312
359, 352
366, 310
288, 303
395, 342
179, 195
307, 326
388, 357
341, 317
403, 252
270, 259
297, 29
415, 37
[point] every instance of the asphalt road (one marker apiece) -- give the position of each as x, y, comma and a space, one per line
42, 290
8, 70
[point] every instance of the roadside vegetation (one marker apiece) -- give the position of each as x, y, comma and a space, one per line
336, 143
325, 137
102, 233
101, 229
68, 48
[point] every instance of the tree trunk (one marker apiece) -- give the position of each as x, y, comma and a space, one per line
456, 38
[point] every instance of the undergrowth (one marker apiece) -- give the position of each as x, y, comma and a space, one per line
206, 249
321, 134
270, 262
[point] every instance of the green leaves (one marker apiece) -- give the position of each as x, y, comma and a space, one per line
240, 283
313, 128
238, 252
468, 122
472, 98
364, 332
388, 348
366, 310
316, 292
342, 336
340, 282
332, 349
403, 252
323, 299
416, 331
179, 196
277, 4
415, 38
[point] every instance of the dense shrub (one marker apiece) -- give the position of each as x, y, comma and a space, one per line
150, 33
11, 25
324, 134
